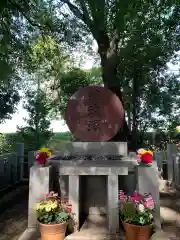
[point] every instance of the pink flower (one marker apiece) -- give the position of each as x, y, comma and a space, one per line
122, 196
69, 208
136, 196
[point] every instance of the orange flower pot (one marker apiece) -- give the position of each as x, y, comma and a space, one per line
53, 231
134, 232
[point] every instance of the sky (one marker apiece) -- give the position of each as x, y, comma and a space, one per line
10, 126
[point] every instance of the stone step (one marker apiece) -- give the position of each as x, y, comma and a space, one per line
94, 228
89, 236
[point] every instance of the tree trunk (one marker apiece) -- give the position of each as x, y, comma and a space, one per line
109, 75
135, 106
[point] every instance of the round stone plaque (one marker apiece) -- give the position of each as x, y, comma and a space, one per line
94, 114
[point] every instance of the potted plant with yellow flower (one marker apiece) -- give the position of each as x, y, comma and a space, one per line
53, 216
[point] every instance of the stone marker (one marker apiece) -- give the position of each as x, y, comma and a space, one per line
171, 152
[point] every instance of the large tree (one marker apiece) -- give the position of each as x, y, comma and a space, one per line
140, 35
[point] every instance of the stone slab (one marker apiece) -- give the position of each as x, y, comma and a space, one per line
30, 234
95, 148
77, 170
90, 236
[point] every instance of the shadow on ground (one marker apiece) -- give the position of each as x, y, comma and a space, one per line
170, 214
13, 220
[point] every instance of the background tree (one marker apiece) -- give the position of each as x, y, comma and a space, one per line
59, 75
9, 97
37, 132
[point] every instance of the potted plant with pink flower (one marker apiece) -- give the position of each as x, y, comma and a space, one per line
136, 213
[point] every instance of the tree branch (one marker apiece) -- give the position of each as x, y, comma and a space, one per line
75, 10
33, 23
24, 15
83, 16
86, 14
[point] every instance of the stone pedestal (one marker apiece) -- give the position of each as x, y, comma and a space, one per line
39, 184
147, 182
113, 211
112, 174
74, 198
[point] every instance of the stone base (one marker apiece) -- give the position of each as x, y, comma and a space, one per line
89, 236
30, 234
95, 228
160, 235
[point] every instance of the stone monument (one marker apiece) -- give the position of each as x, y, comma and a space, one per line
90, 173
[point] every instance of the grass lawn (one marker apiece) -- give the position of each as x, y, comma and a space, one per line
59, 141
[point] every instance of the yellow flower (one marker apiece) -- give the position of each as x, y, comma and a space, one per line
37, 206
48, 208
178, 129
54, 206
143, 151
46, 150
150, 152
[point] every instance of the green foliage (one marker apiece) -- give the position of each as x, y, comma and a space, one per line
9, 98
59, 141
69, 83
56, 71
62, 217
62, 135
36, 133
52, 217
4, 146
8, 142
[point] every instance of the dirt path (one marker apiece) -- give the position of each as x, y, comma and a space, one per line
13, 221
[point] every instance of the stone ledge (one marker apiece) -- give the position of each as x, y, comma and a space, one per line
177, 187
30, 234
160, 235
80, 170
78, 236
